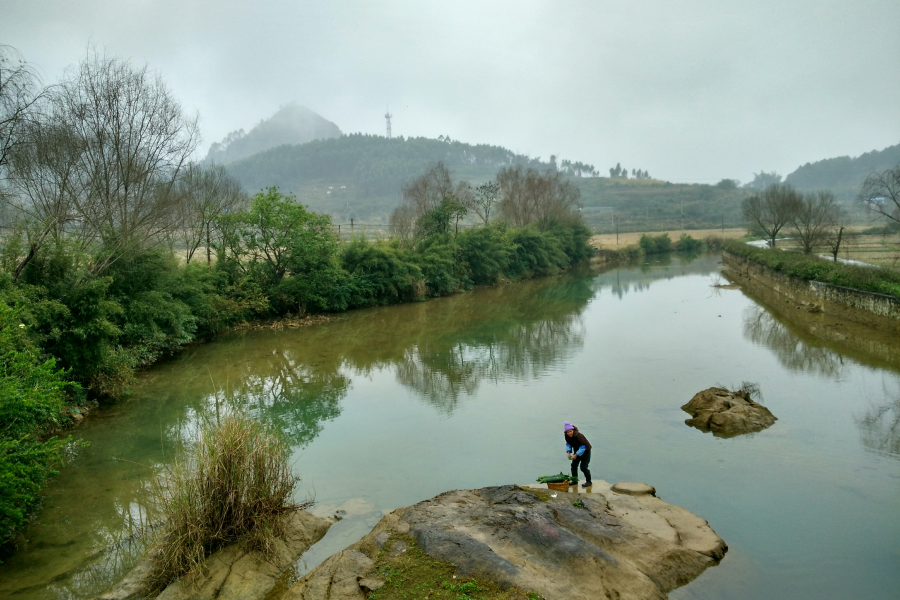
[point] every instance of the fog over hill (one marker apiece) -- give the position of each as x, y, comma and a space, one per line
843, 175
292, 124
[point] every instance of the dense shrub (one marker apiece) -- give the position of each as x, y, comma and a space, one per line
814, 268
659, 244
485, 252
380, 273
31, 405
688, 244
535, 254
439, 259
153, 320
573, 240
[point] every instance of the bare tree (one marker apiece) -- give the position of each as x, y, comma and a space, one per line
135, 143
205, 193
881, 193
560, 203
403, 221
45, 184
814, 219
528, 196
20, 92
516, 199
835, 239
425, 192
772, 210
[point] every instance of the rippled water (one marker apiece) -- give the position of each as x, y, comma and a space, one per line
389, 406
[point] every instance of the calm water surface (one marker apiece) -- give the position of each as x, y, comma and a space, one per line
390, 406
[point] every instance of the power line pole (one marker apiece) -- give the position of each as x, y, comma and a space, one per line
387, 117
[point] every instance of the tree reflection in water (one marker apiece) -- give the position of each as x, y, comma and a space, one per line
794, 353
880, 425
128, 544
441, 374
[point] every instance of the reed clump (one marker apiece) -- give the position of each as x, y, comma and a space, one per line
234, 485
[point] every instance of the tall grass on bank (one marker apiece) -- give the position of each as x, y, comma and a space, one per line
814, 268
234, 485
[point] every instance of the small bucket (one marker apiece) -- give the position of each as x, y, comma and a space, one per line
562, 486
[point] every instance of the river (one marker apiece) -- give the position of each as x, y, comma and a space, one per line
388, 406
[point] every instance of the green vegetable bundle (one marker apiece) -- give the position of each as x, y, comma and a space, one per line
557, 478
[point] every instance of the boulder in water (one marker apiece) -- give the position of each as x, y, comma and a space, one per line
727, 414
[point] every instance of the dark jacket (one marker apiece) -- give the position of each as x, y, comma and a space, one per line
577, 441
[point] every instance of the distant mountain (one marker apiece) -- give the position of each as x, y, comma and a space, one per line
843, 175
291, 125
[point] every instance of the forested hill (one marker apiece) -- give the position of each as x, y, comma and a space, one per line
843, 175
361, 175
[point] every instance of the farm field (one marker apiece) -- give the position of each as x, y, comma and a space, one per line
608, 240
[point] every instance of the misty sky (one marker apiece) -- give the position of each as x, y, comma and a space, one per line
689, 90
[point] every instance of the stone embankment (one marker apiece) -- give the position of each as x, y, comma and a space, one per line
865, 308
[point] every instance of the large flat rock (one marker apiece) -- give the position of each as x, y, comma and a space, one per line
596, 544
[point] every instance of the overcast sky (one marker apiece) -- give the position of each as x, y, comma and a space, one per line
690, 90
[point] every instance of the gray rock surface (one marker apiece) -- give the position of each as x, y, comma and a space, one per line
727, 414
232, 573
617, 546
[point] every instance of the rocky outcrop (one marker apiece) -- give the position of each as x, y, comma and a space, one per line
727, 414
628, 545
233, 573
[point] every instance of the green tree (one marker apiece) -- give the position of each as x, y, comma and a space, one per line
289, 251
438, 220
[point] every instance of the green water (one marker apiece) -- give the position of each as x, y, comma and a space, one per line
389, 406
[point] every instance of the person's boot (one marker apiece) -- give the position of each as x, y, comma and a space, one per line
586, 484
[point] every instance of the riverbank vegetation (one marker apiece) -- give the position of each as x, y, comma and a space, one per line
656, 245
813, 268
32, 391
117, 250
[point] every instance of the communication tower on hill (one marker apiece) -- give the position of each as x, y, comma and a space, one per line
387, 117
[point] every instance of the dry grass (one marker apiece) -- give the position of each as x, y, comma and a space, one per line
608, 240
876, 249
288, 322
234, 485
